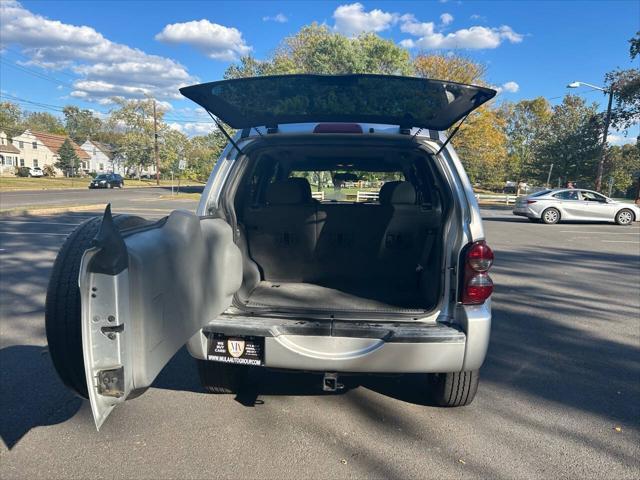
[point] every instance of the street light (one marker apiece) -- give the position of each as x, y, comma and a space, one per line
603, 155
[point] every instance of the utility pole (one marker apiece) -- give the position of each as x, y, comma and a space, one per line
603, 154
549, 176
155, 142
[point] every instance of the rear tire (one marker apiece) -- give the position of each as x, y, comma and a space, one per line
455, 389
217, 377
624, 217
62, 307
550, 216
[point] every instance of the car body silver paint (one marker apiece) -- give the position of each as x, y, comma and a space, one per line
572, 210
474, 320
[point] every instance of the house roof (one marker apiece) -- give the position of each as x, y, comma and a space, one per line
8, 149
54, 142
104, 148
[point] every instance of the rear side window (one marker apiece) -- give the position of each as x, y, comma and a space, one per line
567, 195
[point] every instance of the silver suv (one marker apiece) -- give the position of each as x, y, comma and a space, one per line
338, 233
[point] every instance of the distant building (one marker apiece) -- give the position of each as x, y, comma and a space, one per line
39, 149
9, 156
102, 158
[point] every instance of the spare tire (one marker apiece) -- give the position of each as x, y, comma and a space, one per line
62, 307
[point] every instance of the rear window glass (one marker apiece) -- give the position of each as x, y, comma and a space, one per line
347, 185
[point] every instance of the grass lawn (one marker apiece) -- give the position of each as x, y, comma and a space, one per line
8, 184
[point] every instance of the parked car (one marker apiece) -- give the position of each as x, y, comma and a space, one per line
266, 276
107, 180
553, 206
35, 172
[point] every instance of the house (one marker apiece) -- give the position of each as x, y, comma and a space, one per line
39, 149
9, 156
102, 158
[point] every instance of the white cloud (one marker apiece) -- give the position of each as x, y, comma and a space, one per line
475, 38
482, 18
105, 68
193, 128
419, 29
446, 18
352, 19
511, 87
216, 41
620, 139
279, 18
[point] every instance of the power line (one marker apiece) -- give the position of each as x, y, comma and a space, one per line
34, 73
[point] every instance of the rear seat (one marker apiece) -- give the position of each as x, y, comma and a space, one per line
282, 234
294, 238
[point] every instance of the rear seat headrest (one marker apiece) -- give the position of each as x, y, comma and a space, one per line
289, 192
397, 193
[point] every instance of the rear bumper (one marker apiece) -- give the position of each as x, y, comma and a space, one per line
357, 346
525, 212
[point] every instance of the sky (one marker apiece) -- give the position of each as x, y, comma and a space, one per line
54, 53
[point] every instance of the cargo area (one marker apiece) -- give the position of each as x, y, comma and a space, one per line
341, 227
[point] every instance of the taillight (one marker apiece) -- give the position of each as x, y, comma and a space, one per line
477, 285
529, 202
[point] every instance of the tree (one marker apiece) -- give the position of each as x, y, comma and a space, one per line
317, 49
571, 142
133, 120
81, 124
626, 90
622, 167
203, 152
526, 125
43, 122
481, 145
68, 160
10, 117
452, 68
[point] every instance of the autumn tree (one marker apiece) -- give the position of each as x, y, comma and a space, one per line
481, 145
452, 68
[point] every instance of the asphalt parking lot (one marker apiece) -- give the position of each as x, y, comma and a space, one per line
559, 394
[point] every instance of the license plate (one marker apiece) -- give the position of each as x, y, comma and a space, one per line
240, 350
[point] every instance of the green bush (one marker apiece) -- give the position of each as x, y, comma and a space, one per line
22, 171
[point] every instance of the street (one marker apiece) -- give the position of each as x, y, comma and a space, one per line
559, 393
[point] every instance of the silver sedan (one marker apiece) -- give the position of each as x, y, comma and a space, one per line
553, 206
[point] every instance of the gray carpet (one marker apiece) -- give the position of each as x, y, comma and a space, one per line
316, 297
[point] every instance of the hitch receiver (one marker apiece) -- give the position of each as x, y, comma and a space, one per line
330, 382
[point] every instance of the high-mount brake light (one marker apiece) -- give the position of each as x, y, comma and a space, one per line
338, 128
477, 285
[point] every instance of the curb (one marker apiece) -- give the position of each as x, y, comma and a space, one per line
50, 210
